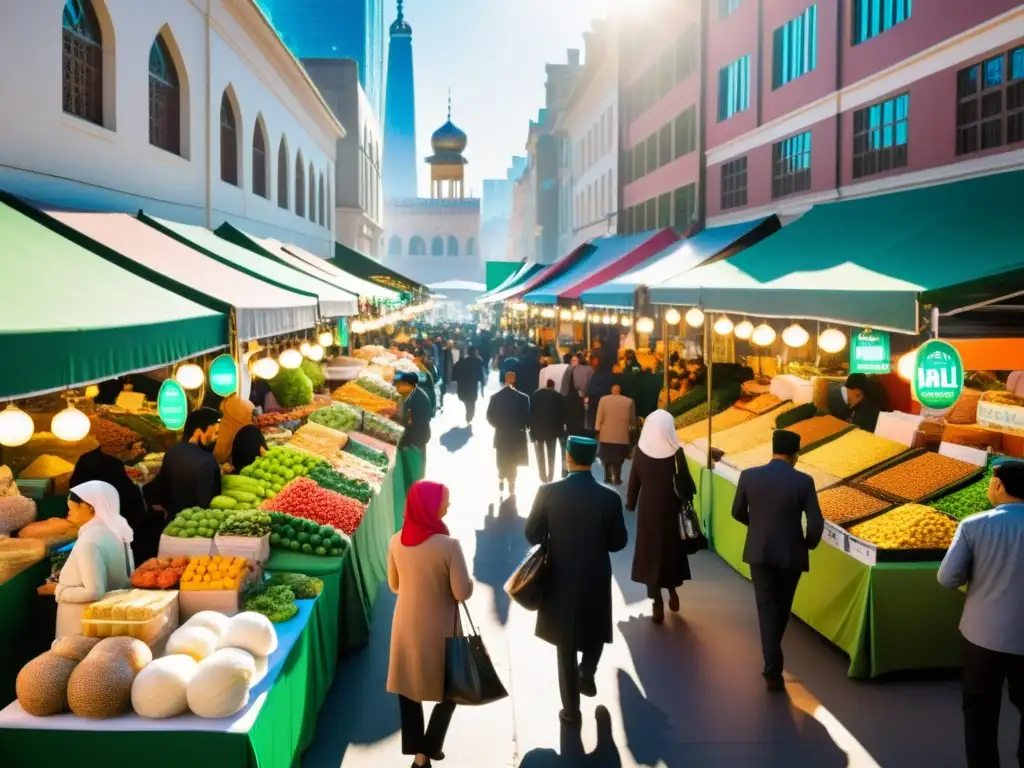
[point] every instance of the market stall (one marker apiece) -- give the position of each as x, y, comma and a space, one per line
508, 288
355, 263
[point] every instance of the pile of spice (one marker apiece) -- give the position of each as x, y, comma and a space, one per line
920, 476
852, 453
817, 428
842, 504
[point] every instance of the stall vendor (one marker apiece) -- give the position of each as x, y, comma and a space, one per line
239, 440
415, 412
190, 475
864, 409
101, 560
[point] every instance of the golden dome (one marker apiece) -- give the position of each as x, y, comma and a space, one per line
448, 138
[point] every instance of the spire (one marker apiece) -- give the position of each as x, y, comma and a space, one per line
400, 26
449, 101
401, 15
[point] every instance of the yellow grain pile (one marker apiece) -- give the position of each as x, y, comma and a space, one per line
852, 453
728, 418
750, 434
912, 526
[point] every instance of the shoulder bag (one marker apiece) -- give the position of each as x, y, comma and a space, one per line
526, 584
689, 525
469, 676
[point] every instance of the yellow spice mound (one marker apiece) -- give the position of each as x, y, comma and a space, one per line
912, 526
852, 453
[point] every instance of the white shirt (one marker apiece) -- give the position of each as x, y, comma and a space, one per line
98, 563
556, 373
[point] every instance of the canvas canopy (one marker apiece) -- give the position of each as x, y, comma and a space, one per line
357, 264
511, 286
366, 288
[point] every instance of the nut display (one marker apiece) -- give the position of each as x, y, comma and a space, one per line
817, 428
841, 504
728, 418
852, 453
822, 480
920, 476
912, 526
760, 404
749, 434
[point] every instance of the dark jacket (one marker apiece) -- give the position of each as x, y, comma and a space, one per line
469, 375
582, 522
865, 416
547, 415
528, 375
509, 413
771, 501
415, 417
658, 488
189, 477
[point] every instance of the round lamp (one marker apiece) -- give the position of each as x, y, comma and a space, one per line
832, 341
92, 392
694, 318
290, 358
795, 336
326, 339
547, 313
16, 426
579, 315
305, 348
316, 353
645, 325
744, 330
358, 326
723, 325
266, 368
534, 312
190, 376
565, 314
672, 317
763, 335
626, 321
71, 425
520, 307
607, 320
905, 365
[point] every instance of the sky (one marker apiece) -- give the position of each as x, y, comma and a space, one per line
491, 53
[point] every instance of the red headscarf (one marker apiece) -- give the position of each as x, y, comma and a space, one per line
422, 512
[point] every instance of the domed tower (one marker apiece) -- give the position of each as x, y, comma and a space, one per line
447, 164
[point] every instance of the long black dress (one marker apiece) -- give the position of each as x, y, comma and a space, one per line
662, 486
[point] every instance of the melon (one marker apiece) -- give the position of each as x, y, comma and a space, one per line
74, 647
42, 684
135, 652
100, 686
160, 690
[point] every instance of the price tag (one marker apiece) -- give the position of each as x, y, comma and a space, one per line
834, 536
861, 550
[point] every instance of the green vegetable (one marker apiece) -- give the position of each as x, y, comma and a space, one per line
378, 387
305, 587
223, 502
381, 428
720, 400
339, 416
970, 499
327, 478
690, 400
292, 388
314, 373
794, 415
276, 602
366, 453
253, 523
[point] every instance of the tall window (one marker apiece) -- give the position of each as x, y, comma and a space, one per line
880, 134
312, 194
437, 247
665, 210
471, 247
329, 213
686, 53
164, 99
228, 142
734, 183
320, 201
795, 48
453, 246
873, 17
417, 246
282, 174
791, 165
259, 161
83, 62
395, 246
990, 97
734, 88
300, 186
727, 8
684, 207
685, 133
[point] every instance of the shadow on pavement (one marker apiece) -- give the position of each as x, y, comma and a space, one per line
571, 752
456, 438
500, 547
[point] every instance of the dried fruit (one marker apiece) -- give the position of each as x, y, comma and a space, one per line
852, 453
912, 526
841, 504
920, 476
817, 428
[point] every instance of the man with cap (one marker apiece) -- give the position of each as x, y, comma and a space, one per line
772, 501
509, 413
581, 522
862, 400
415, 413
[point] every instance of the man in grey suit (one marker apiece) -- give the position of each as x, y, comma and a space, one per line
771, 501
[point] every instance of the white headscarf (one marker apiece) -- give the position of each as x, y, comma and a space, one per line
103, 498
659, 439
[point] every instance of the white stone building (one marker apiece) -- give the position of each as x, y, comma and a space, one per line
192, 110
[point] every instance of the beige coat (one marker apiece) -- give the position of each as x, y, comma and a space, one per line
429, 579
616, 416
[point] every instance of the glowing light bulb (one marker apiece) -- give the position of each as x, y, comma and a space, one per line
832, 341
579, 315
565, 314
694, 318
645, 325
723, 325
290, 358
763, 336
358, 326
795, 336
906, 364
547, 313
266, 368
326, 339
316, 353
304, 348
71, 425
744, 330
626, 321
190, 376
672, 316
16, 426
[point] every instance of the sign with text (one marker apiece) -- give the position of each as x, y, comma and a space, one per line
869, 352
224, 376
172, 405
938, 375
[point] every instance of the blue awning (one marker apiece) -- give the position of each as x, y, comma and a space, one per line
705, 246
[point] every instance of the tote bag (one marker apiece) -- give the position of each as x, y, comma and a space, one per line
526, 584
469, 676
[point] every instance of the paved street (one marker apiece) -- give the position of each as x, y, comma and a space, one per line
686, 694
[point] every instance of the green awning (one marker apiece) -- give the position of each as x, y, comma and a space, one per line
514, 282
70, 317
872, 261
367, 288
362, 266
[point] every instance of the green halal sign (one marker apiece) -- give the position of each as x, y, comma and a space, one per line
224, 376
172, 405
869, 352
938, 375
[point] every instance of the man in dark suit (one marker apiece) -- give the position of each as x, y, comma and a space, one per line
470, 377
415, 413
547, 427
509, 413
582, 522
772, 501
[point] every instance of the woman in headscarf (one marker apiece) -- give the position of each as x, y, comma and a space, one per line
97, 465
428, 572
249, 445
101, 560
660, 480
190, 475
238, 414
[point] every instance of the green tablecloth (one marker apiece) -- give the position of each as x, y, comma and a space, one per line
27, 622
887, 617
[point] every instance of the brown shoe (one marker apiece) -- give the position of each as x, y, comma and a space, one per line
659, 612
673, 601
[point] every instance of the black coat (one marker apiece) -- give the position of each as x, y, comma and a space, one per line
189, 477
582, 522
528, 374
662, 486
509, 413
447, 365
771, 501
469, 375
547, 415
415, 417
575, 412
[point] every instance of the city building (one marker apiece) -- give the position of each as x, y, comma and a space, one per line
436, 239
811, 102
400, 165
359, 199
336, 29
175, 120
496, 211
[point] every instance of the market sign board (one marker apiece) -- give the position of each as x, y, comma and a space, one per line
938, 375
172, 405
342, 335
224, 376
869, 352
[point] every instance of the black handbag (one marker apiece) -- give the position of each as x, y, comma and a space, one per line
469, 676
526, 584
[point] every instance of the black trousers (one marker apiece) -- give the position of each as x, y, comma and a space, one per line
985, 672
546, 468
774, 589
654, 593
470, 410
569, 670
416, 741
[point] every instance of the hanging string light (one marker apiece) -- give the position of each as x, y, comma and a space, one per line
565, 314
16, 426
694, 317
580, 315
723, 325
832, 341
764, 335
795, 336
326, 339
645, 325
607, 319
304, 348
266, 368
547, 313
316, 353
744, 330
71, 425
190, 376
626, 321
290, 359
672, 316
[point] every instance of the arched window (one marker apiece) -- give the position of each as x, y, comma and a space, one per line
320, 202
437, 247
471, 247
312, 194
300, 186
83, 62
260, 166
164, 98
282, 174
417, 246
453, 246
228, 141
395, 246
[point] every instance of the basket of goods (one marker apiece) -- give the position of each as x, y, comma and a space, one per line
53, 532
16, 511
214, 583
245, 533
305, 499
118, 441
160, 573
17, 555
146, 615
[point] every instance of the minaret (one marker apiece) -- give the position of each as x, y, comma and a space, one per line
400, 166
447, 164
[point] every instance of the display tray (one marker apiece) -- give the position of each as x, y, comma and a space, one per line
826, 440
868, 492
894, 555
858, 481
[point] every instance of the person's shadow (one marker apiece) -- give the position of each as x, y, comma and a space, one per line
500, 547
456, 438
571, 752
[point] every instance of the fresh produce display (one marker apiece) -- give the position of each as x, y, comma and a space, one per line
212, 620
351, 465
251, 523
305, 587
760, 404
120, 442
54, 532
970, 499
42, 684
139, 613
196, 523
695, 430
854, 452
842, 504
304, 498
47, 467
315, 373
292, 388
691, 399
376, 385
100, 687
749, 434
341, 417
318, 440
796, 415
220, 685
367, 454
912, 526
310, 538
278, 467
822, 480
214, 572
382, 429
159, 690
920, 476
817, 428
325, 477
194, 641
353, 394
276, 603
159, 573
15, 512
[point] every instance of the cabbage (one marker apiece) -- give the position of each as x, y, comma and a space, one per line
315, 374
292, 388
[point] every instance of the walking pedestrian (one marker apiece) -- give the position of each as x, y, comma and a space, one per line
772, 501
581, 523
547, 428
470, 377
428, 572
447, 363
528, 373
509, 413
599, 385
660, 481
987, 554
415, 413
615, 422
